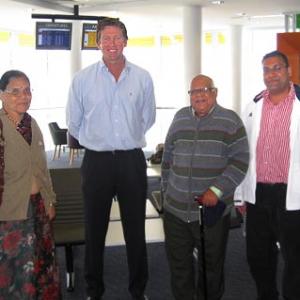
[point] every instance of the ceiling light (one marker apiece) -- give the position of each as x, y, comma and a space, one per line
241, 15
217, 2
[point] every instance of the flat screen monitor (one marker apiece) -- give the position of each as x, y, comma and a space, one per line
53, 36
89, 36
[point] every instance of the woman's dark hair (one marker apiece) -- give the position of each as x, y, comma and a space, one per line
111, 22
9, 75
279, 54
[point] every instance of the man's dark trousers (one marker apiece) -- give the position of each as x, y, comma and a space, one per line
268, 222
105, 175
181, 240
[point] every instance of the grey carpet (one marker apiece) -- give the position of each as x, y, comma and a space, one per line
238, 282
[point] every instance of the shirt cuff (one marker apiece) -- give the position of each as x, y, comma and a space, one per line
217, 191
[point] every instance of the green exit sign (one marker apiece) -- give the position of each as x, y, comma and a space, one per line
298, 21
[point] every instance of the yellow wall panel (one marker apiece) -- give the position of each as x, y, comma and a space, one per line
221, 38
4, 36
208, 38
26, 40
142, 42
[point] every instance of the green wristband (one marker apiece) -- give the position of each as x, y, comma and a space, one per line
218, 192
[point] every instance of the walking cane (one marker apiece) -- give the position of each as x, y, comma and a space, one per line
202, 236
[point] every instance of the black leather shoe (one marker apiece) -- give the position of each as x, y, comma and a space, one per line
143, 297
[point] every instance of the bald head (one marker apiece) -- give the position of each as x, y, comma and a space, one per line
209, 82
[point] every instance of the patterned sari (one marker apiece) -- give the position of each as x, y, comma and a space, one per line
28, 269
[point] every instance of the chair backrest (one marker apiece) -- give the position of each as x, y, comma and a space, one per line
53, 126
59, 135
68, 224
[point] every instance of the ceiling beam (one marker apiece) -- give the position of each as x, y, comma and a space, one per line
75, 16
44, 4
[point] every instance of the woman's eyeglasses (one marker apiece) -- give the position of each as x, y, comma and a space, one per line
16, 92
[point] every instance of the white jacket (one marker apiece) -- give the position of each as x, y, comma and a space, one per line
251, 117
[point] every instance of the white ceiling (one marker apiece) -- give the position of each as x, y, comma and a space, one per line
233, 12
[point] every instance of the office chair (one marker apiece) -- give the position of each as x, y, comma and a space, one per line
59, 137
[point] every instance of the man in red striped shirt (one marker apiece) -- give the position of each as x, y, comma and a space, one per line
271, 188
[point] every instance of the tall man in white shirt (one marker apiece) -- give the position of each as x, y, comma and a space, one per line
271, 186
111, 106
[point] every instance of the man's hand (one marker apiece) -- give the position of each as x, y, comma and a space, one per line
209, 198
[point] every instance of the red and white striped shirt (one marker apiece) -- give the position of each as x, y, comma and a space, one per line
273, 145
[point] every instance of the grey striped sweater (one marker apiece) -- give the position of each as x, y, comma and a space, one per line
199, 153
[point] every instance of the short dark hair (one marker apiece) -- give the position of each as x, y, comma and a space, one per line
8, 75
279, 54
111, 22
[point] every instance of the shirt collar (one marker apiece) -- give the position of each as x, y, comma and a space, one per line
103, 66
290, 97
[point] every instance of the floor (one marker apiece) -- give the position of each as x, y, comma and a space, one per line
154, 227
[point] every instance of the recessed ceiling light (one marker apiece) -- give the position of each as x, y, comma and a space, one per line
241, 14
217, 2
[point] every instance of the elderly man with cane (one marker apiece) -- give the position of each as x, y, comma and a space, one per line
205, 155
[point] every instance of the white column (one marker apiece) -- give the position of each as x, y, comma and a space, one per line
287, 22
192, 26
294, 23
76, 47
236, 65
